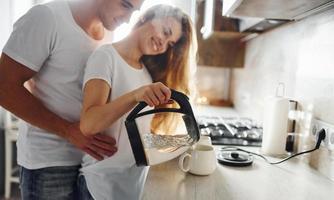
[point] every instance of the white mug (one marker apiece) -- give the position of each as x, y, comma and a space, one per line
201, 160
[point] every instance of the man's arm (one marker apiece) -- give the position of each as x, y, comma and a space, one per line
17, 99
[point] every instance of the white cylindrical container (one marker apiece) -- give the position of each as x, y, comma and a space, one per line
275, 126
204, 140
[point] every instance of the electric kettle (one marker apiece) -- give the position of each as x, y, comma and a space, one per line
151, 148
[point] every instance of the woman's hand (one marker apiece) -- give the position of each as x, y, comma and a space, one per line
153, 94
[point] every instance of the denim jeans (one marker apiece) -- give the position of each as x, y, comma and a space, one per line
52, 183
83, 193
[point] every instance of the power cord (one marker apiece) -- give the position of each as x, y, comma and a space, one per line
321, 137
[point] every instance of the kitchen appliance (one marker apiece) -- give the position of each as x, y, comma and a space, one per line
231, 130
234, 158
290, 140
152, 148
238, 157
277, 125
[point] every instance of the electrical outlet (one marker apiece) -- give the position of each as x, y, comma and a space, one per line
316, 126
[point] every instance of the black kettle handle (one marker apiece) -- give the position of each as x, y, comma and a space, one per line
179, 97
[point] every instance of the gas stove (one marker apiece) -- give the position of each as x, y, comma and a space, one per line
231, 131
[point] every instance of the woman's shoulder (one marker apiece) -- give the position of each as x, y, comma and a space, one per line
107, 49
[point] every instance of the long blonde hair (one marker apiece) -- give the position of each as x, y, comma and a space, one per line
174, 66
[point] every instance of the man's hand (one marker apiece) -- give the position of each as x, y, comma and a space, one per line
97, 146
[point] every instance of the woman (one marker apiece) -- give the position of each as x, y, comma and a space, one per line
119, 76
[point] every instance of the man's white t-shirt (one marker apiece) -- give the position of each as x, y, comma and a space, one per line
48, 40
116, 177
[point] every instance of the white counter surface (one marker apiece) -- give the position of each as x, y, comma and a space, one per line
292, 180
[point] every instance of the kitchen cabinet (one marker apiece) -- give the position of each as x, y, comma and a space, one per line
218, 48
217, 51
274, 9
224, 26
220, 17
263, 15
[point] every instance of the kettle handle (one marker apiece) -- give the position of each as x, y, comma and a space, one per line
179, 97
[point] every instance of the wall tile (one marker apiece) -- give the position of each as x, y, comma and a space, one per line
300, 55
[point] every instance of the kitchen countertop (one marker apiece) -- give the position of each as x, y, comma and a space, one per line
293, 180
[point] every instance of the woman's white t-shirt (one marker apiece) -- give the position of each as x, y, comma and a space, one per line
116, 177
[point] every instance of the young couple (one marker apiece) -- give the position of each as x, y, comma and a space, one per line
73, 88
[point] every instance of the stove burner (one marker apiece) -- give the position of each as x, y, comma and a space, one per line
231, 131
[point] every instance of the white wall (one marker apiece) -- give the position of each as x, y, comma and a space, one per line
10, 11
301, 56
19, 7
5, 21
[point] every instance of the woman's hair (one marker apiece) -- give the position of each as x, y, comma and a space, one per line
173, 67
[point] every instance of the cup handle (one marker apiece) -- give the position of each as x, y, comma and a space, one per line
184, 162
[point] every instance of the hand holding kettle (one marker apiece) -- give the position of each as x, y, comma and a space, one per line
153, 94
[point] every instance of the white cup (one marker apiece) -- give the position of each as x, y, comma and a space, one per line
204, 140
200, 161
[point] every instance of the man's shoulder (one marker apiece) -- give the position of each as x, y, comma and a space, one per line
55, 5
38, 14
49, 10
46, 16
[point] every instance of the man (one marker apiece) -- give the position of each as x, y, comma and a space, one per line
47, 50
